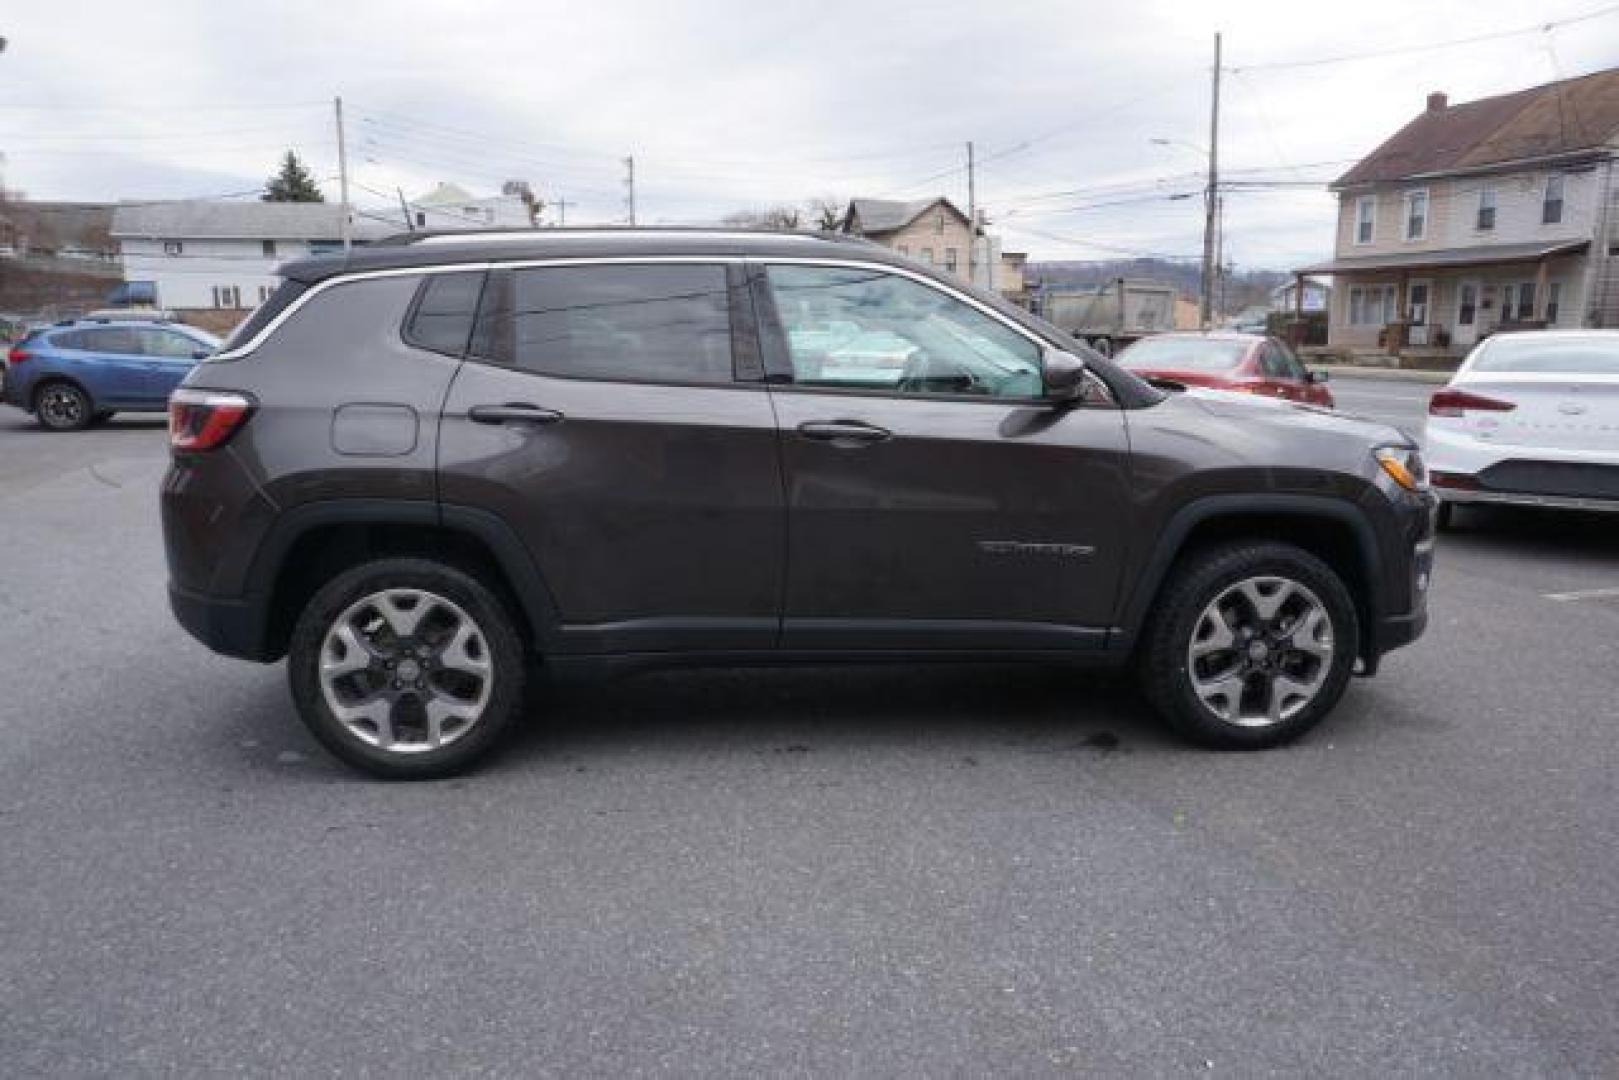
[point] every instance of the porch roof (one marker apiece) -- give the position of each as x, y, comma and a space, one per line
1441, 259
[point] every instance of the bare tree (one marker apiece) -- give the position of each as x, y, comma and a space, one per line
780, 216
827, 212
531, 202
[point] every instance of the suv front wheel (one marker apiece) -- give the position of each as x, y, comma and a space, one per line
406, 668
1251, 645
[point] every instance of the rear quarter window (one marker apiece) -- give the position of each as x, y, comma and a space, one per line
443, 312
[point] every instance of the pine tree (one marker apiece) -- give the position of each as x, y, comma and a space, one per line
293, 183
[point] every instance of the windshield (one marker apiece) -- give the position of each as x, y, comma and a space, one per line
1184, 354
1551, 355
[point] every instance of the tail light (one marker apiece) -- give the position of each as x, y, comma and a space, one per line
1449, 402
17, 355
205, 419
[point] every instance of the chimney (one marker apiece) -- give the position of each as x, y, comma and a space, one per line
1437, 101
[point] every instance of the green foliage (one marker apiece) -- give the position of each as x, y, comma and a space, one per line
292, 183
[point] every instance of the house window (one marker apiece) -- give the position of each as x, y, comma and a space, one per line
421, 220
1365, 218
173, 247
264, 293
938, 222
1486, 208
1357, 306
1416, 215
227, 296
1551, 210
1554, 300
269, 249
905, 249
950, 259
927, 256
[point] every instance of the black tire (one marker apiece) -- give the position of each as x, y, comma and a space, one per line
1194, 584
1445, 517
102, 417
493, 620
63, 406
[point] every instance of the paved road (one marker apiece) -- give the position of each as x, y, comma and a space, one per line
956, 870
1403, 404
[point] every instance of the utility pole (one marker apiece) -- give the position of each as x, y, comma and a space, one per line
410, 226
972, 217
343, 177
1210, 209
562, 211
629, 186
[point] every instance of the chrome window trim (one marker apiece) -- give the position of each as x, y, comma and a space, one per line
247, 348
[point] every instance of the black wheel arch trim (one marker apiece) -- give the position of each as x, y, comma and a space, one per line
527, 585
1171, 542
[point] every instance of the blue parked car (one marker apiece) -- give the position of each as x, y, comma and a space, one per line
80, 371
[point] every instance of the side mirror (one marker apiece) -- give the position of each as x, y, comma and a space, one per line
1319, 376
1063, 375
201, 354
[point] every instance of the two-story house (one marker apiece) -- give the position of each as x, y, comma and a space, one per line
931, 230
1494, 214
212, 261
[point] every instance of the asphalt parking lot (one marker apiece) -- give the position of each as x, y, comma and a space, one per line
954, 870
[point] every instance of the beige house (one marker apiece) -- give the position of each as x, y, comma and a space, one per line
1494, 214
930, 230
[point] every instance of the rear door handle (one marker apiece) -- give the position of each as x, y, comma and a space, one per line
843, 431
513, 412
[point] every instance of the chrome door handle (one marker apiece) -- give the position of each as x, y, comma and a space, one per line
843, 431
513, 412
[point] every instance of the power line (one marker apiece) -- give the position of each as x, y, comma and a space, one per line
1405, 50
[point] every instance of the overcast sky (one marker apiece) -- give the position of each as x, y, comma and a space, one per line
738, 104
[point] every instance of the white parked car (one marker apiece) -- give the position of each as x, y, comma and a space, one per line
1530, 419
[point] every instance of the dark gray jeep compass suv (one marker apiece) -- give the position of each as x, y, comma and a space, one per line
418, 469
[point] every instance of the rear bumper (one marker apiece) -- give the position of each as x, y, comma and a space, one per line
232, 626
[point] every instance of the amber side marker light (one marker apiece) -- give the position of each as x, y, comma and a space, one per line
1404, 466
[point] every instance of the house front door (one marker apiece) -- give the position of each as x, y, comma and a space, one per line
1419, 297
1464, 332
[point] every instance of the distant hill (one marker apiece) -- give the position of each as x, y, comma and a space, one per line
1242, 287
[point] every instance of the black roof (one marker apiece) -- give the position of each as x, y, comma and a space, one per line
438, 248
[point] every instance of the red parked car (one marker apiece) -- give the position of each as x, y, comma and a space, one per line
1247, 363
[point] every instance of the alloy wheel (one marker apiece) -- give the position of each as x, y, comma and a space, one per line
62, 407
1260, 651
406, 670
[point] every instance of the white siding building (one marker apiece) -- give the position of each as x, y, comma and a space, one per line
222, 256
1501, 213
448, 206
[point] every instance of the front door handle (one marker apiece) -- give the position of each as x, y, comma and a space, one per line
513, 412
843, 431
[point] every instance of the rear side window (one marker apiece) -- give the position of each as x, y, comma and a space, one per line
68, 339
442, 316
1533, 353
647, 323
112, 339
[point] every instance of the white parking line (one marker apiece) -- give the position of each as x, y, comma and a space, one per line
1584, 594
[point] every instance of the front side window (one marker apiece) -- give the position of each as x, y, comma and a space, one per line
1416, 215
1551, 209
1486, 208
168, 344
649, 322
861, 328
1365, 219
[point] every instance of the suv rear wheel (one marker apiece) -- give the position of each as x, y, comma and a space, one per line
1251, 645
407, 668
61, 406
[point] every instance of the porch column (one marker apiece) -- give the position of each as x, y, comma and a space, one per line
1295, 334
1397, 338
1542, 284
